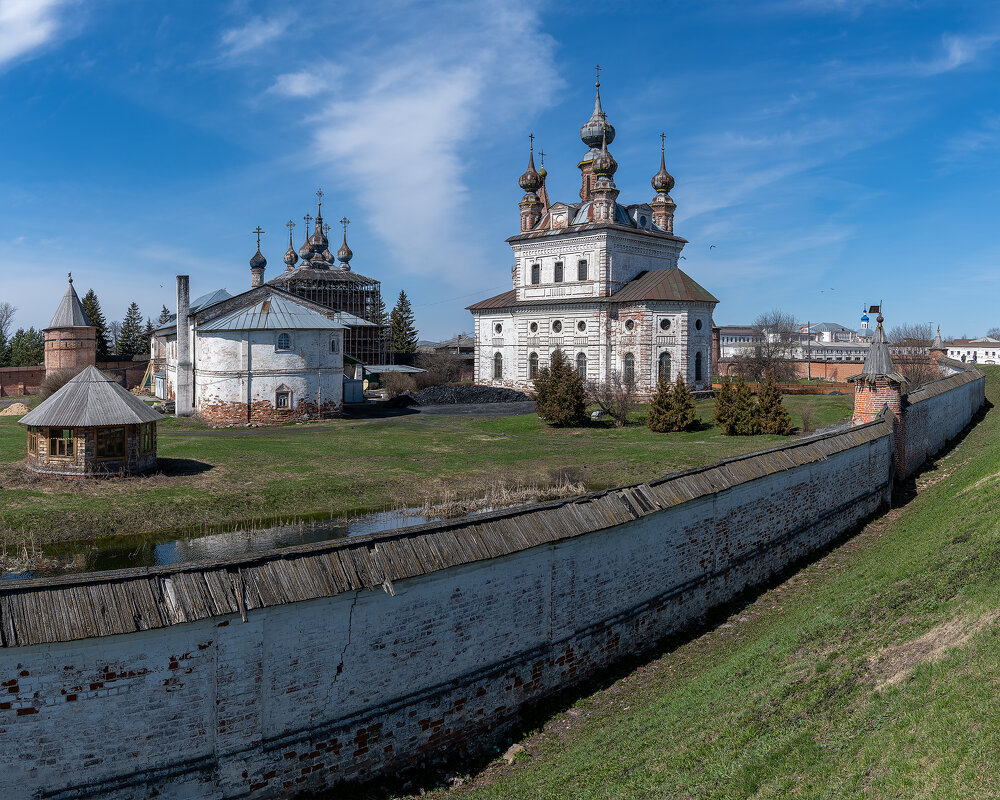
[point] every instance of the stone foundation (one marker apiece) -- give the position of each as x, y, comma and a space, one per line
262, 412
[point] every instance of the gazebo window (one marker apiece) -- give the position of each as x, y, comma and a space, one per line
146, 437
61, 442
110, 443
33, 441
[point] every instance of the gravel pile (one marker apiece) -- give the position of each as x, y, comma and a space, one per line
446, 395
15, 410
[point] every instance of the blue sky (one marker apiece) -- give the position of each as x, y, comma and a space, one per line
835, 152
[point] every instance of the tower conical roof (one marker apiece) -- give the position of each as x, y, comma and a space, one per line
878, 364
937, 344
70, 313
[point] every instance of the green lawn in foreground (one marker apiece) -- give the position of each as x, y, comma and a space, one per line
874, 672
343, 467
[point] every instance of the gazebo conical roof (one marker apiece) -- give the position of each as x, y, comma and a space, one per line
90, 400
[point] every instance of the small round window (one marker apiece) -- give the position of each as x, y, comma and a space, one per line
581, 326
498, 328
664, 324
697, 324
557, 326
533, 327
630, 325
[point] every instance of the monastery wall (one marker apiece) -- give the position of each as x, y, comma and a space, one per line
20, 381
343, 660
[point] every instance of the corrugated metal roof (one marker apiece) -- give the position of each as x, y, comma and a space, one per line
352, 321
663, 284
197, 304
274, 312
91, 399
504, 300
70, 313
75, 607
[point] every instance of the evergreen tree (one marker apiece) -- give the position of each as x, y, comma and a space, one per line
559, 394
723, 413
4, 351
92, 308
745, 418
379, 316
130, 336
164, 317
660, 418
402, 331
773, 414
27, 348
147, 334
682, 407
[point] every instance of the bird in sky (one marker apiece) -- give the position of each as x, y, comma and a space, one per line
711, 247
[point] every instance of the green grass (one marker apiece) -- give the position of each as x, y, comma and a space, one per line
344, 467
873, 672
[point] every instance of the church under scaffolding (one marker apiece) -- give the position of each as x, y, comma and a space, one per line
321, 279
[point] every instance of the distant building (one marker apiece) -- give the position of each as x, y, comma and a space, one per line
91, 427
597, 280
824, 341
70, 340
263, 356
985, 350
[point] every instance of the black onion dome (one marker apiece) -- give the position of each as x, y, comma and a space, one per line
345, 254
663, 181
258, 259
530, 180
604, 163
305, 252
598, 128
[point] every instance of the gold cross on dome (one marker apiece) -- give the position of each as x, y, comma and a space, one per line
259, 232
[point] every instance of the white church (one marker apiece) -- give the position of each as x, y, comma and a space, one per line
598, 280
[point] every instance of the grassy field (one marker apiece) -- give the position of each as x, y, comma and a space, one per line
874, 672
344, 467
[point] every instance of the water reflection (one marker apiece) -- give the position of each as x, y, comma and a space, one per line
123, 552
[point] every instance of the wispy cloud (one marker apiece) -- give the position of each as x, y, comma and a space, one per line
309, 82
970, 145
955, 51
26, 25
404, 139
257, 32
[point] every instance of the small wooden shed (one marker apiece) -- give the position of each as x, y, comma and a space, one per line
91, 427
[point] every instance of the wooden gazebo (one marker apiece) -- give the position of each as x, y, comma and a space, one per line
91, 427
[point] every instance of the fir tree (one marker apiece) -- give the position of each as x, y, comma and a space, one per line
402, 331
559, 394
27, 348
723, 413
773, 414
661, 418
92, 308
380, 318
745, 419
682, 406
164, 317
130, 336
4, 350
147, 334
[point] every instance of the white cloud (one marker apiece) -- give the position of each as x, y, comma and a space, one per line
956, 51
256, 33
308, 82
970, 145
26, 25
401, 143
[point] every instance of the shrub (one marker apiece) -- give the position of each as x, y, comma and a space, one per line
723, 413
396, 383
559, 396
683, 406
441, 369
616, 397
54, 381
745, 420
773, 415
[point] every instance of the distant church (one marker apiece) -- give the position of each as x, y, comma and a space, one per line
598, 280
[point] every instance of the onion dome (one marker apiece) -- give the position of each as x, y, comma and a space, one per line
345, 254
291, 257
530, 181
604, 163
598, 128
305, 252
258, 259
662, 181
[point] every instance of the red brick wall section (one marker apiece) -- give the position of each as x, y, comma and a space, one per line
20, 381
70, 348
263, 412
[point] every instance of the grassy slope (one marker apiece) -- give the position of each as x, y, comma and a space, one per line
343, 467
873, 672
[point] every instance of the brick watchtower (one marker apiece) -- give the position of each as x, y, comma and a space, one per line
70, 341
878, 384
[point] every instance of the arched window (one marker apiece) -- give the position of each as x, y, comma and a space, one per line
665, 367
581, 365
532, 366
283, 342
498, 366
628, 373
559, 272
536, 273
334, 344
697, 366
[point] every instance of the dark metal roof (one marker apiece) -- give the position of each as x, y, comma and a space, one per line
663, 284
504, 300
70, 313
197, 304
60, 609
91, 399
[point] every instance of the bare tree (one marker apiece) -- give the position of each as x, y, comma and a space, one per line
7, 311
114, 336
909, 345
777, 335
616, 397
993, 333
